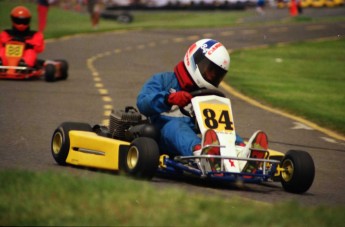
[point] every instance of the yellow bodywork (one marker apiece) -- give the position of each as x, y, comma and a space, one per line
275, 153
89, 149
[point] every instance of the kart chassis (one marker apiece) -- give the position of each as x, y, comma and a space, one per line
52, 70
134, 150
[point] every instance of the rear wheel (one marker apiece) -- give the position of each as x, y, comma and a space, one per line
49, 73
142, 158
299, 171
60, 143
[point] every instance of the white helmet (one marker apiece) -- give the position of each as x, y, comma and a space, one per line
207, 62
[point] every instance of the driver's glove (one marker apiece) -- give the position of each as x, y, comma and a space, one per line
180, 98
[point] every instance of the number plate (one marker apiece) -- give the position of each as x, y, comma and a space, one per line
217, 116
14, 50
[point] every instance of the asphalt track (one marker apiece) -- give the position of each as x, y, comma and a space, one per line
107, 71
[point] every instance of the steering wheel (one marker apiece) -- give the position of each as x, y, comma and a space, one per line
202, 92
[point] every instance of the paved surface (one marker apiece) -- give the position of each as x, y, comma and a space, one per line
107, 71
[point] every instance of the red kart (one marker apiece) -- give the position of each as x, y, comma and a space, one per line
52, 70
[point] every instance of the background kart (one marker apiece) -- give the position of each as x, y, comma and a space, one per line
129, 144
51, 70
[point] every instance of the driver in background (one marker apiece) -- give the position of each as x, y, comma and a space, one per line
34, 41
205, 65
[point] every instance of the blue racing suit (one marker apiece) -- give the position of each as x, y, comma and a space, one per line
177, 130
178, 136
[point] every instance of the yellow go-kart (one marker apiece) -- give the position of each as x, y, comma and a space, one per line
130, 144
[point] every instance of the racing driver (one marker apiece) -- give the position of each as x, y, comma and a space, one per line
205, 65
34, 41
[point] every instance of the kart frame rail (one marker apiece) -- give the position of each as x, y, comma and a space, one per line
176, 167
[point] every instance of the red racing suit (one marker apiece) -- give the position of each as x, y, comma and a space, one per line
34, 44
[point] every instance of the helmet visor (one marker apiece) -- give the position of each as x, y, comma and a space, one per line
211, 72
24, 21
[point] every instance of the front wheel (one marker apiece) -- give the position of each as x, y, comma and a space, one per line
298, 171
60, 143
142, 158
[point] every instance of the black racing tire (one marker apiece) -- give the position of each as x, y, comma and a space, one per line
63, 69
49, 73
60, 143
142, 158
299, 172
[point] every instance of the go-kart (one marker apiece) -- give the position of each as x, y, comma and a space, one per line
129, 144
51, 70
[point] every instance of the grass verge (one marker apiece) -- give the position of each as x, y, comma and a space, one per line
306, 79
31, 199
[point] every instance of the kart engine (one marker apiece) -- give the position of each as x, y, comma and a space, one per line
121, 120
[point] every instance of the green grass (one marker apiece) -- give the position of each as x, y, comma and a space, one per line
32, 198
306, 79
